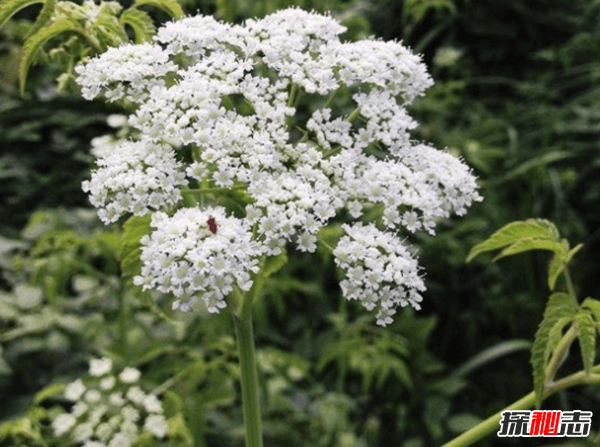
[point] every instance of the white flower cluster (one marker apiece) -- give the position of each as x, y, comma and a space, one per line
198, 253
380, 271
231, 95
134, 177
109, 410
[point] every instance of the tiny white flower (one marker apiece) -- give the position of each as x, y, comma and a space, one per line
92, 396
157, 425
129, 375
83, 432
120, 440
99, 367
74, 390
63, 423
108, 383
136, 395
89, 443
116, 399
130, 414
152, 404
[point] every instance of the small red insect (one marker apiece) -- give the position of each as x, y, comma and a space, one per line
212, 225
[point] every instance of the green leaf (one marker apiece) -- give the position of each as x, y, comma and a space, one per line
560, 305
594, 307
490, 354
43, 17
9, 8
171, 7
587, 339
515, 232
131, 248
56, 389
109, 31
556, 333
37, 41
555, 268
550, 229
140, 22
533, 244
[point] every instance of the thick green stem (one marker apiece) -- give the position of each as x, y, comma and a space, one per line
249, 380
491, 424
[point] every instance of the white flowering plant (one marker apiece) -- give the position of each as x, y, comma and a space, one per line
107, 407
109, 410
251, 139
219, 112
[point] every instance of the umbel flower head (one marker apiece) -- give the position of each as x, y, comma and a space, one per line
109, 410
300, 125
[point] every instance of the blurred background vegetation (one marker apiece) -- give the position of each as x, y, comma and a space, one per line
517, 95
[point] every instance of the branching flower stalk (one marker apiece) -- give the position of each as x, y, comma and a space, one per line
292, 127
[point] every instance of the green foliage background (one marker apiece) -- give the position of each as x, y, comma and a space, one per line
519, 100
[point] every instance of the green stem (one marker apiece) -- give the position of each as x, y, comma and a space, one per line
491, 424
354, 114
570, 287
249, 380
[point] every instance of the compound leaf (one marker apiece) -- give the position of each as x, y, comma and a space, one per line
37, 41
587, 338
560, 305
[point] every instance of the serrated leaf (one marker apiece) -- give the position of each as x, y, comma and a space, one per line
560, 305
56, 389
551, 230
555, 335
9, 8
141, 23
512, 233
131, 248
109, 31
594, 307
43, 17
171, 7
555, 268
587, 339
533, 244
37, 41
